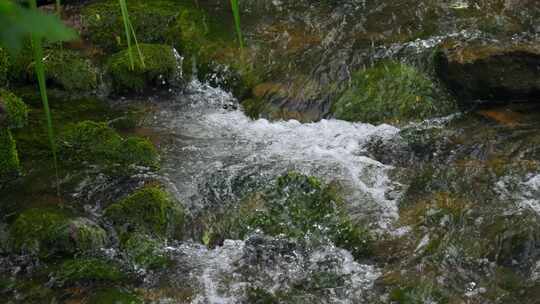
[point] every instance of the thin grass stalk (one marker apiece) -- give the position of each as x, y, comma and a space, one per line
130, 34
141, 57
59, 7
37, 48
236, 13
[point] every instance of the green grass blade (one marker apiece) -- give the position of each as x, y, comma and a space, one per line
141, 57
125, 18
236, 13
40, 73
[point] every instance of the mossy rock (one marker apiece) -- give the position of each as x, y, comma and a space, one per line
70, 70
88, 270
298, 207
16, 110
149, 210
159, 68
390, 92
153, 22
99, 144
9, 159
114, 295
146, 252
47, 232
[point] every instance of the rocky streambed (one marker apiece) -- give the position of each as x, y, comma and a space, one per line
352, 152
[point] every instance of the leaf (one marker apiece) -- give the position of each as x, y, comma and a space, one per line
18, 23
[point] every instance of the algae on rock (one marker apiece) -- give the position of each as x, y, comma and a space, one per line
391, 92
13, 114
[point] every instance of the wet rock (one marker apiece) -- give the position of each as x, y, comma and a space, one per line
146, 252
9, 159
13, 110
491, 71
114, 295
149, 210
13, 114
158, 69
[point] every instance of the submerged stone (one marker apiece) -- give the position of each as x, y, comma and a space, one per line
146, 252
298, 207
390, 92
159, 68
149, 210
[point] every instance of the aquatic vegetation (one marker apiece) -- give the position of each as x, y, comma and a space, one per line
149, 210
159, 69
390, 92
70, 70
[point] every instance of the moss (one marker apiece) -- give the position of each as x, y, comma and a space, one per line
70, 70
9, 159
114, 296
149, 210
145, 251
390, 92
99, 144
17, 111
299, 207
79, 235
33, 231
4, 68
47, 232
153, 22
88, 270
159, 68
140, 151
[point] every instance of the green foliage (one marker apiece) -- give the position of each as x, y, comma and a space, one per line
114, 296
159, 66
9, 159
99, 144
17, 110
87, 270
145, 251
390, 92
17, 23
236, 13
149, 210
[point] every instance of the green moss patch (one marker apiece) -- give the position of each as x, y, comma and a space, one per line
99, 144
9, 159
153, 22
114, 296
47, 232
390, 92
149, 210
17, 111
159, 67
146, 252
70, 70
88, 270
4, 67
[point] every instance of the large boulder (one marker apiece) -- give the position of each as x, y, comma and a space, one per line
490, 71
